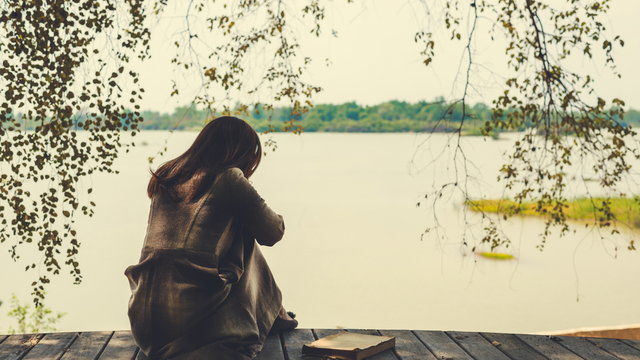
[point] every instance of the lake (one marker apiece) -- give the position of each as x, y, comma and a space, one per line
352, 255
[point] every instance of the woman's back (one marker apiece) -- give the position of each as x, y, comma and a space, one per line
197, 225
204, 225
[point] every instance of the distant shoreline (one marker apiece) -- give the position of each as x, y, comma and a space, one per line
437, 116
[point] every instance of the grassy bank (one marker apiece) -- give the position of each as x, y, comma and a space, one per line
623, 210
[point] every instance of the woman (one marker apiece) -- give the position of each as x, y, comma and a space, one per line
202, 289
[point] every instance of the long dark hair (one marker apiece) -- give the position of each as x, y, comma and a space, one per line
223, 143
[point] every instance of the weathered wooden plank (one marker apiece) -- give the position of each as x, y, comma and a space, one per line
548, 346
408, 346
15, 346
51, 346
584, 348
616, 348
477, 346
120, 346
385, 355
293, 341
632, 343
513, 346
272, 349
88, 345
441, 345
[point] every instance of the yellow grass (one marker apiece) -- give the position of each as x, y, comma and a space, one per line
495, 256
623, 210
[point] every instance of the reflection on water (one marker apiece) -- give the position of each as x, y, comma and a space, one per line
352, 255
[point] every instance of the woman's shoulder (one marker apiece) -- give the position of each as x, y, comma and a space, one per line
232, 181
230, 177
232, 173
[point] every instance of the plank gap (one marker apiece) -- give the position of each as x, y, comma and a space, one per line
616, 348
104, 346
408, 346
637, 347
393, 349
559, 342
627, 344
135, 354
284, 347
37, 337
66, 347
497, 347
423, 343
50, 346
459, 345
585, 348
601, 348
530, 347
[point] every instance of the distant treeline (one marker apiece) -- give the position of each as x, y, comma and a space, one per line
390, 116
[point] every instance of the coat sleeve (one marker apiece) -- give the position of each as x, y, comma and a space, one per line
264, 224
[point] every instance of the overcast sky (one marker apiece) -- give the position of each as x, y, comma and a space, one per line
375, 59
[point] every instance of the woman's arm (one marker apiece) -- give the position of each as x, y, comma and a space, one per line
264, 224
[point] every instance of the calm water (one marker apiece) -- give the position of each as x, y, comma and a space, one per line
352, 254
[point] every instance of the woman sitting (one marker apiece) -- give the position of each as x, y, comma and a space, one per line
202, 289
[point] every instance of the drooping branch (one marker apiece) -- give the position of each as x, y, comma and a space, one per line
563, 123
54, 83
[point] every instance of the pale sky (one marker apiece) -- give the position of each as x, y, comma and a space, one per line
374, 58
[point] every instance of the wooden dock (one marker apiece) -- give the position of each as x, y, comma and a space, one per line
410, 345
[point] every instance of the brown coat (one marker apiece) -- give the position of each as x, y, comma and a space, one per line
202, 288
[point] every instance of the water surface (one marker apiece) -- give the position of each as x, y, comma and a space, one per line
352, 255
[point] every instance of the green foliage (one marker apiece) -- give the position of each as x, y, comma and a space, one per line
32, 318
62, 67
